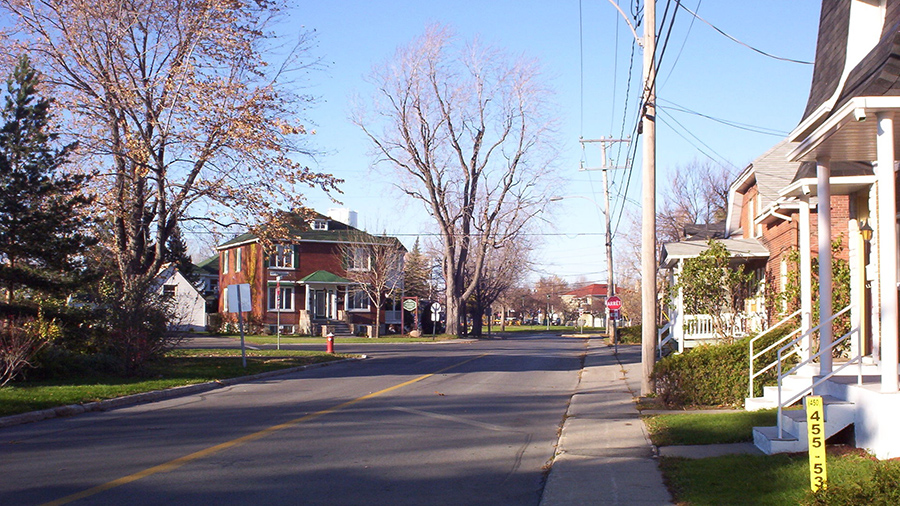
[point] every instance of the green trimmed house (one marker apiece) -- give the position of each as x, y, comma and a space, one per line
303, 284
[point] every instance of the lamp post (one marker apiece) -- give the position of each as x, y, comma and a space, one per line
548, 311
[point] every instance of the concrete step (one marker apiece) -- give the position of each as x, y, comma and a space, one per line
767, 440
838, 415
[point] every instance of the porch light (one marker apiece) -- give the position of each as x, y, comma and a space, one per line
866, 231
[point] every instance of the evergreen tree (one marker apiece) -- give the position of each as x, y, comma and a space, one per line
42, 210
415, 273
176, 251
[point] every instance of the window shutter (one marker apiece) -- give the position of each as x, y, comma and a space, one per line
265, 260
296, 256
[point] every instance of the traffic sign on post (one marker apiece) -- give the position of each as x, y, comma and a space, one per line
613, 303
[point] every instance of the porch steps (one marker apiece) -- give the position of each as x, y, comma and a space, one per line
791, 386
337, 327
838, 415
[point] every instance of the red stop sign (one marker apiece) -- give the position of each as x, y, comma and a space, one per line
614, 303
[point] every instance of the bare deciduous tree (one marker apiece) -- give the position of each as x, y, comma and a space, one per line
698, 193
175, 106
376, 265
503, 269
467, 131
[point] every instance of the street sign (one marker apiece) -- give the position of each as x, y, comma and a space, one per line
409, 305
614, 303
238, 298
435, 307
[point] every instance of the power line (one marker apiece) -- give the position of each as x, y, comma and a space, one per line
684, 43
733, 124
714, 27
721, 160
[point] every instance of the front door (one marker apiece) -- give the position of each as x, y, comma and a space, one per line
318, 304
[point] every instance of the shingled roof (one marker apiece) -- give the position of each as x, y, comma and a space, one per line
876, 74
337, 232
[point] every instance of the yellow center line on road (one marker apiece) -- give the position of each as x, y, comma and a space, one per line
174, 464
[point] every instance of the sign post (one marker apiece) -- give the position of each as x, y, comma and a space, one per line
412, 304
238, 297
815, 422
613, 304
435, 318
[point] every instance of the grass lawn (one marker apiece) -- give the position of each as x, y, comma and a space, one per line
177, 368
756, 479
699, 428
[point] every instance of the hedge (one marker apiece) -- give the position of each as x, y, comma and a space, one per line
713, 375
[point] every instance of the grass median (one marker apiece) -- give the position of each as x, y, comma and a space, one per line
177, 368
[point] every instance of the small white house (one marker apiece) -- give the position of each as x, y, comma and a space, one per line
189, 304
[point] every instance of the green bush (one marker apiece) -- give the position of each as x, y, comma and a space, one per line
713, 375
880, 490
56, 362
630, 335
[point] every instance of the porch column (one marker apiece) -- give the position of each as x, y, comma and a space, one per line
678, 317
806, 304
823, 171
887, 250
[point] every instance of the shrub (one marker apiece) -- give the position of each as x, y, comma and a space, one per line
630, 335
880, 490
20, 340
135, 320
59, 362
713, 375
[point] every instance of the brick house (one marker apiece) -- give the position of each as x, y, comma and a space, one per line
765, 224
310, 271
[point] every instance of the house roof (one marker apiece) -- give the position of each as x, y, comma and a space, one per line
209, 266
325, 277
746, 248
841, 70
337, 232
771, 171
594, 290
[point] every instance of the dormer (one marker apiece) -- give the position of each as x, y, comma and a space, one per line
319, 224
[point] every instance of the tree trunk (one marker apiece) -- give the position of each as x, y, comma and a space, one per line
377, 330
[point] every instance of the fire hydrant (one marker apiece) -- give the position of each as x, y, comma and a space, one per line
329, 343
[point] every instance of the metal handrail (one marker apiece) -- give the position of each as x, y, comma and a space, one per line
753, 357
857, 359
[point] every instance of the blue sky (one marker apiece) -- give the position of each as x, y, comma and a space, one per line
585, 49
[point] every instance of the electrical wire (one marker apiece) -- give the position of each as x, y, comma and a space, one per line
684, 43
733, 124
714, 27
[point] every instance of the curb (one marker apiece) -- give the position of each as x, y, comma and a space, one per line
153, 396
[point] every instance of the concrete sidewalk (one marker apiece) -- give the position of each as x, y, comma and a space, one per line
604, 455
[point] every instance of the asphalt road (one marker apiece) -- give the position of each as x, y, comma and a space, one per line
461, 423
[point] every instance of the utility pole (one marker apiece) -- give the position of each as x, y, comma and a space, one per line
610, 280
648, 203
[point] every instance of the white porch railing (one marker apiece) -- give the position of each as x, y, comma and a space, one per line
665, 330
820, 379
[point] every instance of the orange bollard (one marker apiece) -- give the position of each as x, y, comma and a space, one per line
329, 343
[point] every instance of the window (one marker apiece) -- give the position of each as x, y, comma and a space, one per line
225, 262
320, 225
357, 300
237, 260
358, 259
285, 329
283, 256
287, 299
168, 291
